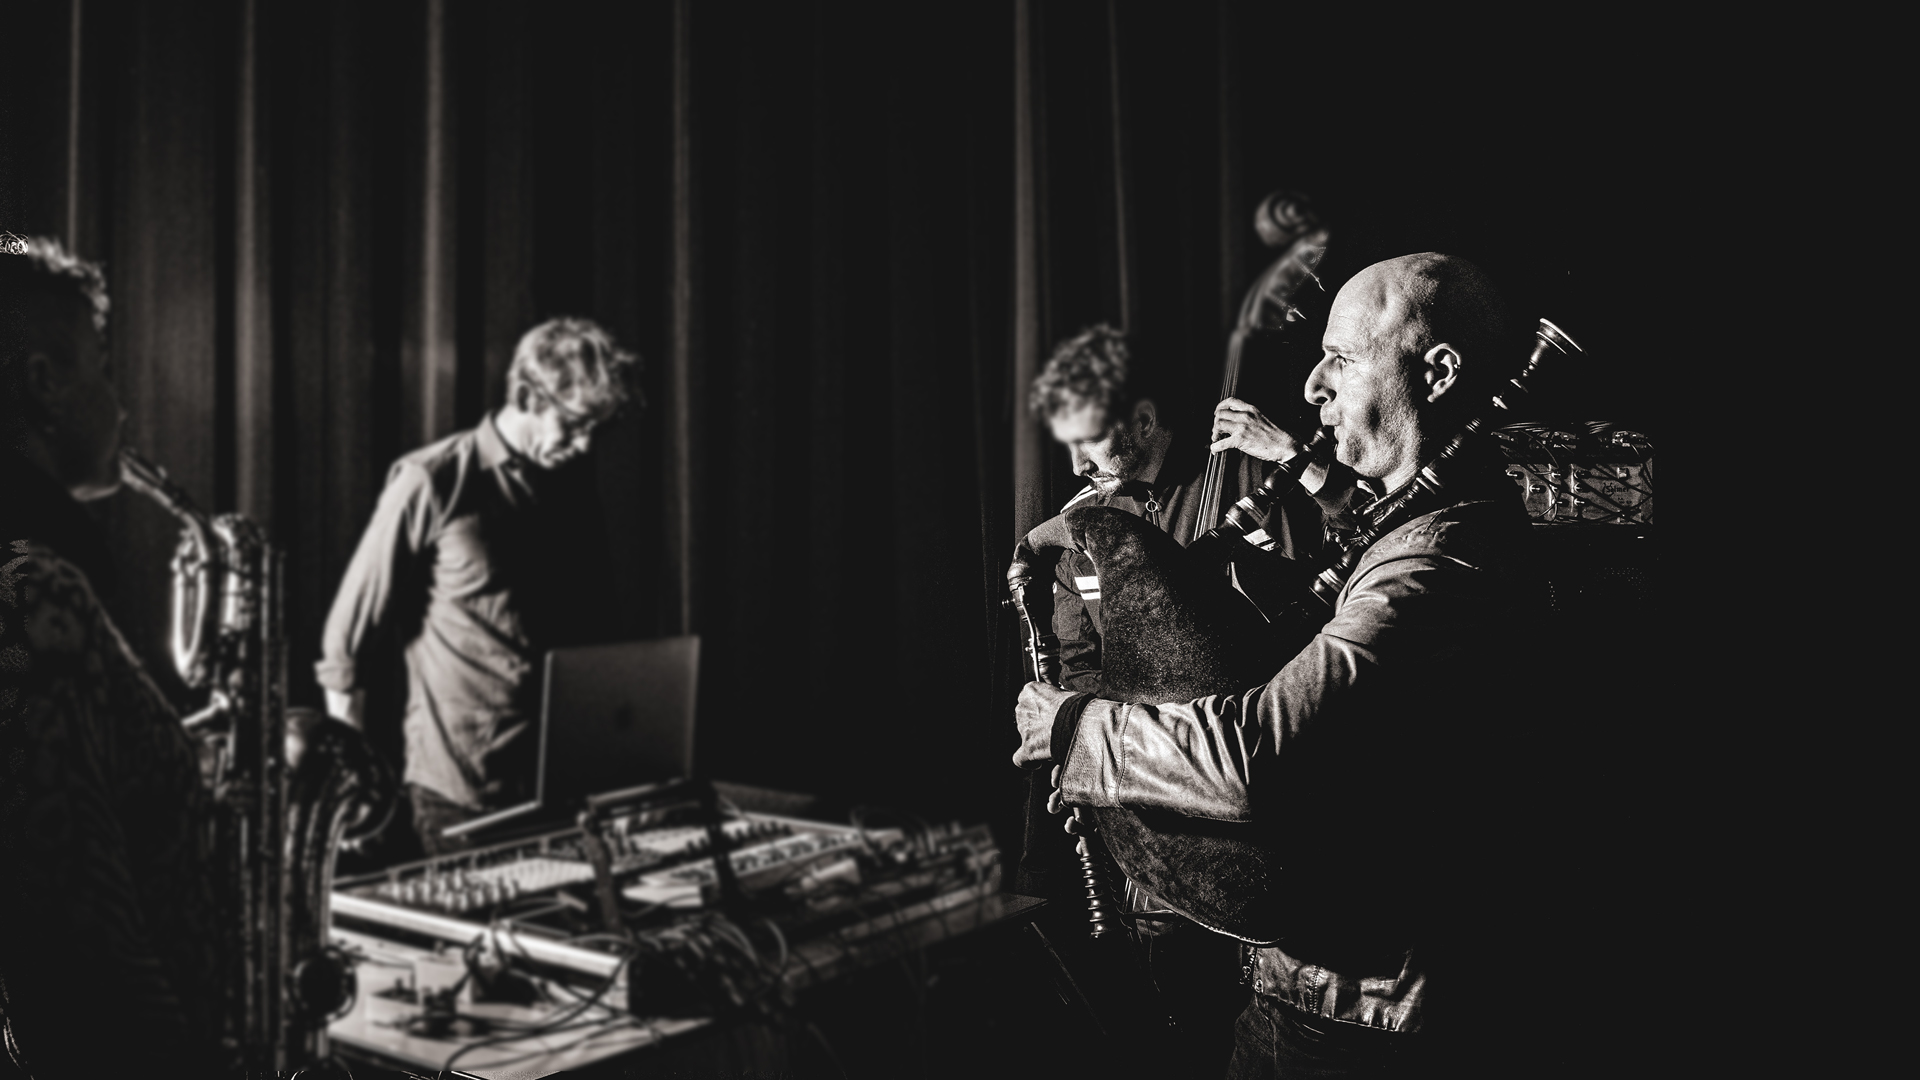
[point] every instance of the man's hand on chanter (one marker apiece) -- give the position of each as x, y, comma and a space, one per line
1034, 715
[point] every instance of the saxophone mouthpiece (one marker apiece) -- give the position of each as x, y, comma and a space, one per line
135, 469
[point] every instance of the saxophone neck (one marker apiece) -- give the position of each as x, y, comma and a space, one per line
152, 481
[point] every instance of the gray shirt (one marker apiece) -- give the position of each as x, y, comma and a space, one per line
451, 565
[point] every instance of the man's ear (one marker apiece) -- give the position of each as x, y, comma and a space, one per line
1443, 366
1146, 416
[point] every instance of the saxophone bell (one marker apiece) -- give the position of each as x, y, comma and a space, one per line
279, 823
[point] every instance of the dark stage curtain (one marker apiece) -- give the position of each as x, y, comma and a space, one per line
845, 325
843, 237
325, 227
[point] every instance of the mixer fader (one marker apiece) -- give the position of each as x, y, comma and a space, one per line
463, 889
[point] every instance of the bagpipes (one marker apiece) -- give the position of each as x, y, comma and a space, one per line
1176, 630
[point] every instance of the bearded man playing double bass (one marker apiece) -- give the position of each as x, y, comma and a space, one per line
1351, 755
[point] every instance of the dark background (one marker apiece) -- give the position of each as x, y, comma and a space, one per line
842, 236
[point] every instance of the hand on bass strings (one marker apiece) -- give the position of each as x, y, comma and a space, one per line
1239, 426
1034, 715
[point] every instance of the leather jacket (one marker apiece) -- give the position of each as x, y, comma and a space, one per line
1356, 755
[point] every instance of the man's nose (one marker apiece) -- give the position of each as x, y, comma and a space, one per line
1320, 382
1082, 464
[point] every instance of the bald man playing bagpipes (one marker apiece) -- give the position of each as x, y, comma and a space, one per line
1354, 762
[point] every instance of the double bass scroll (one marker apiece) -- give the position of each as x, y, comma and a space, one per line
1289, 222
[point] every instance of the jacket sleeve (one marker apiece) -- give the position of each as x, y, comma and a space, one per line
1205, 758
399, 533
1073, 625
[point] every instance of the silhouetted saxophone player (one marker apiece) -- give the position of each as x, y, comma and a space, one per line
1349, 761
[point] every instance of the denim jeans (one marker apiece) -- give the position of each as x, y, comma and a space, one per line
1273, 1041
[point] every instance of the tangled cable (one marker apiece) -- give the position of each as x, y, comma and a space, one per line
554, 1025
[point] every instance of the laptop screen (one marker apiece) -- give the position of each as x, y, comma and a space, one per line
612, 716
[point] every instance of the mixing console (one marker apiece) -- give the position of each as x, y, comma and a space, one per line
479, 881
654, 860
462, 889
524, 934
638, 850
683, 884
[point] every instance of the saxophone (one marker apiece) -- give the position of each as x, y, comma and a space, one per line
277, 826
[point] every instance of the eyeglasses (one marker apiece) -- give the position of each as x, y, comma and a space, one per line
572, 421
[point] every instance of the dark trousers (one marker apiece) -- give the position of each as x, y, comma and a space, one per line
1274, 1041
432, 813
1197, 973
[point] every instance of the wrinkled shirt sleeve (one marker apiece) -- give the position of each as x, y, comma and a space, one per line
401, 529
1204, 758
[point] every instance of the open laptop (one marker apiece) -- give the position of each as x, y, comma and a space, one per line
611, 716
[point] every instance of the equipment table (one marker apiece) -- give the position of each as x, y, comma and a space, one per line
373, 1030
